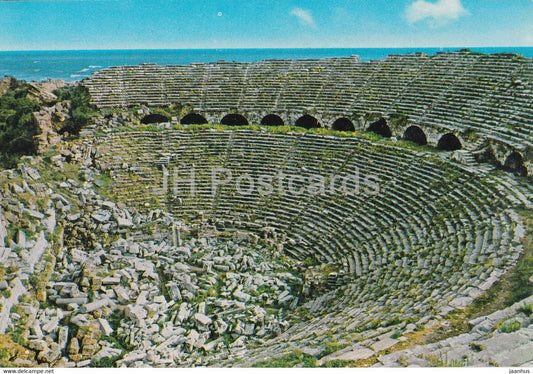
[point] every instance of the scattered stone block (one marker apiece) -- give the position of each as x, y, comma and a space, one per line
91, 307
461, 302
105, 327
384, 344
202, 319
242, 296
37, 345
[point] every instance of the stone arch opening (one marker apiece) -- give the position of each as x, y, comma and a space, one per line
307, 122
416, 135
193, 119
515, 163
449, 142
343, 124
154, 118
272, 120
380, 127
234, 119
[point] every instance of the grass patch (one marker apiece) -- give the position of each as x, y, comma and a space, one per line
294, 359
443, 361
323, 131
332, 347
507, 328
514, 285
10, 350
396, 334
368, 362
527, 309
119, 341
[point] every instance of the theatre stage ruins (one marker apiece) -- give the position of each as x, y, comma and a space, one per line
118, 250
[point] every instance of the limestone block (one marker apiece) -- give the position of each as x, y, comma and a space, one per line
461, 302
91, 307
384, 344
105, 327
63, 337
37, 345
242, 296
183, 313
202, 319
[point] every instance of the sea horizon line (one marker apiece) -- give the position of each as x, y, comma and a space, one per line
256, 49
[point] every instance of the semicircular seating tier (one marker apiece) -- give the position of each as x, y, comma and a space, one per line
463, 91
413, 233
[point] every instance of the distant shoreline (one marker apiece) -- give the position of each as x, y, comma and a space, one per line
253, 49
76, 65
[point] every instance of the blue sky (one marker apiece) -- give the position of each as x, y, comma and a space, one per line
122, 24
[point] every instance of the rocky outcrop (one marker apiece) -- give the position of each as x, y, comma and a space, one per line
38, 93
49, 121
6, 84
43, 92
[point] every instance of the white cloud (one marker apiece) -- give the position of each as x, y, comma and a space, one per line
304, 16
440, 11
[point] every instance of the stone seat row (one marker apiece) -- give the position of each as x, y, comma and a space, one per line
362, 248
475, 67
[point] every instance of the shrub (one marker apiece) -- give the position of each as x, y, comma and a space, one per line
81, 109
442, 361
507, 328
521, 287
527, 309
289, 360
396, 334
16, 126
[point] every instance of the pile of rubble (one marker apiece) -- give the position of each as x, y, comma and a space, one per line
122, 287
172, 305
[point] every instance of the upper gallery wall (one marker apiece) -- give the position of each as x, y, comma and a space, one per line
461, 92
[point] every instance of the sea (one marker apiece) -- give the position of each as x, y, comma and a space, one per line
73, 66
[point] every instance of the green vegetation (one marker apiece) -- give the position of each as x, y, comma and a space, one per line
398, 120
120, 342
310, 261
442, 361
506, 327
6, 294
294, 359
10, 350
81, 109
16, 126
514, 286
3, 272
509, 289
521, 287
527, 309
332, 347
396, 334
104, 186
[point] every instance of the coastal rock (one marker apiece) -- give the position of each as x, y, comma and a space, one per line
6, 84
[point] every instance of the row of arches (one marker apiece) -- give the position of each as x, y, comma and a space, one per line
233, 119
447, 142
